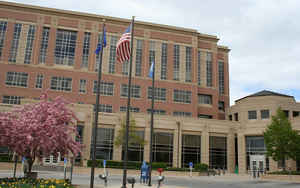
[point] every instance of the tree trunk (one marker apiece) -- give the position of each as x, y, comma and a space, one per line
30, 163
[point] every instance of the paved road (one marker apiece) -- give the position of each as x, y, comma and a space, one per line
182, 181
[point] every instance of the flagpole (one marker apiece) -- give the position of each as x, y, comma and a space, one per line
151, 124
97, 111
128, 109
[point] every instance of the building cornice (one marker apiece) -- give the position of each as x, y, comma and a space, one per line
95, 18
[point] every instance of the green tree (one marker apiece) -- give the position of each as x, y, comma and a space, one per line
280, 139
134, 137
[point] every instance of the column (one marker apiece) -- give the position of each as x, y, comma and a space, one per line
205, 146
147, 145
87, 135
177, 146
117, 153
230, 151
242, 153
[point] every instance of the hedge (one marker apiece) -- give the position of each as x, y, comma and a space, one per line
137, 165
285, 173
201, 167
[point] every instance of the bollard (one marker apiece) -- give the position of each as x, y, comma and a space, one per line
103, 177
131, 181
160, 180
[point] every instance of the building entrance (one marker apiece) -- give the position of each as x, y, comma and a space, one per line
52, 160
257, 163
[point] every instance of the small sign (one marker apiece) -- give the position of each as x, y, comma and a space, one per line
191, 164
104, 163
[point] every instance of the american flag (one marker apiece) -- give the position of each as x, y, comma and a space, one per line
123, 46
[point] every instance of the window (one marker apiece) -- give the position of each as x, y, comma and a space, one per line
205, 116
3, 26
204, 99
151, 52
79, 136
164, 61
135, 150
15, 43
199, 69
182, 96
39, 81
132, 109
176, 61
221, 77
106, 88
104, 108
65, 47
159, 93
252, 114
112, 55
138, 60
104, 143
86, 50
265, 114
183, 114
11, 99
296, 113
217, 152
281, 163
209, 69
61, 83
163, 147
236, 116
286, 112
29, 44
125, 67
221, 106
135, 91
255, 145
191, 149
188, 64
16, 79
44, 45
156, 111
82, 86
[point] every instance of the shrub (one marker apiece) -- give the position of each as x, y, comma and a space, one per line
285, 173
201, 167
157, 165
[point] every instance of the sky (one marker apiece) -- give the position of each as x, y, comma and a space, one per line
263, 35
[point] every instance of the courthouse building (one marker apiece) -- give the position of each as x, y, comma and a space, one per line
50, 49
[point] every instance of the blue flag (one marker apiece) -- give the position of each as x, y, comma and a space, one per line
151, 70
104, 42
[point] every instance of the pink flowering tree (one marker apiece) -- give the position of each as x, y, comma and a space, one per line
40, 129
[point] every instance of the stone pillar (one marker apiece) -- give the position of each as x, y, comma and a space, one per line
117, 153
242, 153
291, 165
147, 145
176, 145
205, 146
87, 136
230, 152
273, 165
